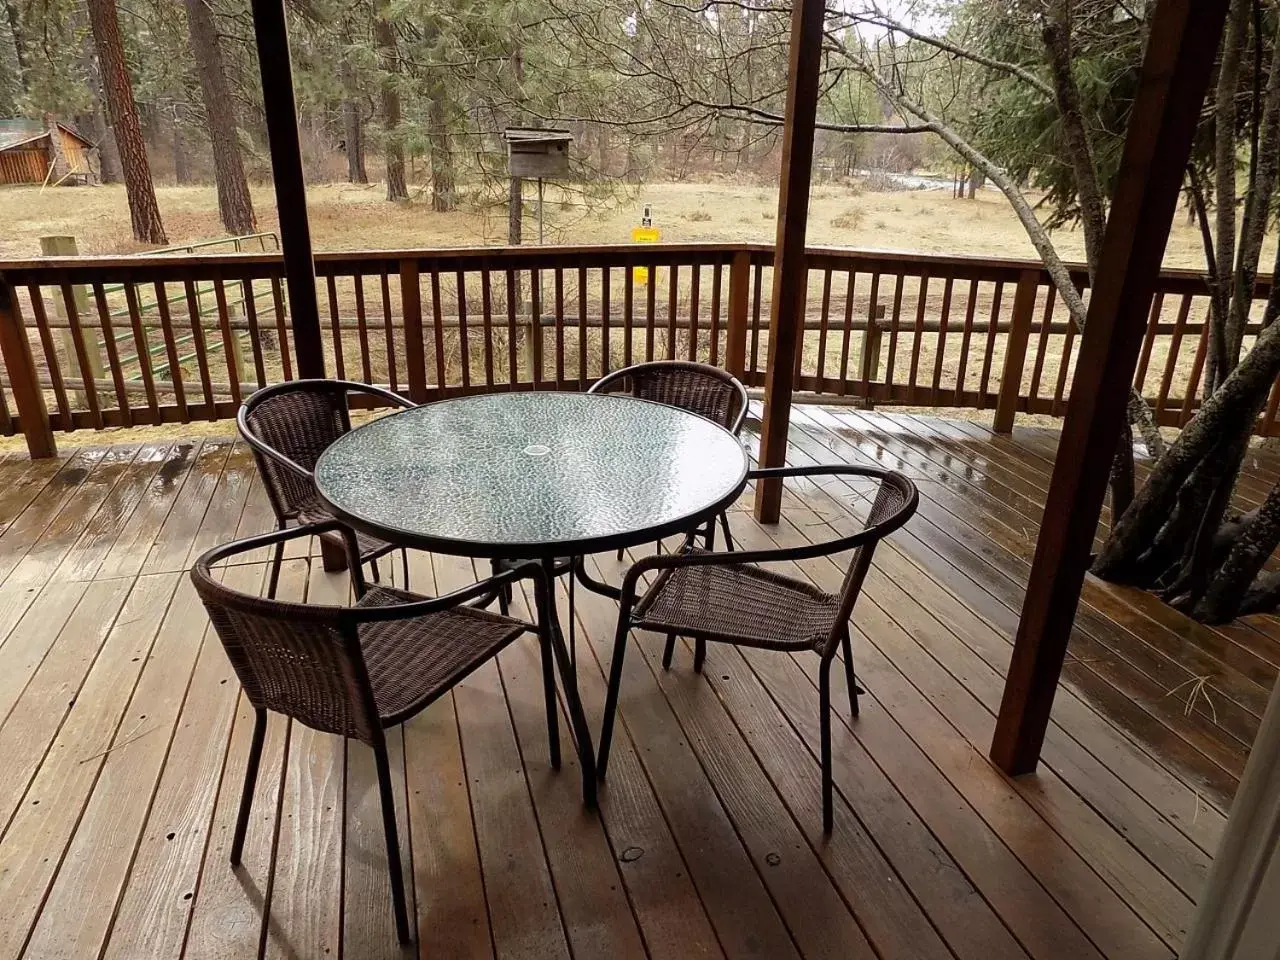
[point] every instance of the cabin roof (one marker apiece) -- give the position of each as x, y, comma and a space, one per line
19, 131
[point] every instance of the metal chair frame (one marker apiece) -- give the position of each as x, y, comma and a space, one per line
664, 565
347, 621
264, 453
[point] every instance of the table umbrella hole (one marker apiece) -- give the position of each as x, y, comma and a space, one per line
536, 450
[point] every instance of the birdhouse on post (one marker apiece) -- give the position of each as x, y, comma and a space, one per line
537, 154
534, 154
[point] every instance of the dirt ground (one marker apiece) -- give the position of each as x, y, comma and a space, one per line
348, 217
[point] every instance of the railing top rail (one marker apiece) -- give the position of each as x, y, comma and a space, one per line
237, 265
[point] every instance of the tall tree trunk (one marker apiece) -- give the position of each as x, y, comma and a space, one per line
443, 182
397, 189
235, 204
181, 162
101, 131
515, 192
20, 52
353, 131
143, 209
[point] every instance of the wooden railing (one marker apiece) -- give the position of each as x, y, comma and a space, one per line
96, 342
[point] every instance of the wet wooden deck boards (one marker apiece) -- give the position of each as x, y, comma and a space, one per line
123, 738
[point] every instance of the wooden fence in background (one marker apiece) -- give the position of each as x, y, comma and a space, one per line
116, 342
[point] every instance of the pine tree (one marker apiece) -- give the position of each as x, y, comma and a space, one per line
143, 209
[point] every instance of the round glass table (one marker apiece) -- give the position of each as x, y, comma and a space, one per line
534, 476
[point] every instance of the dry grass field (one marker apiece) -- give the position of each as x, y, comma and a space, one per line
349, 217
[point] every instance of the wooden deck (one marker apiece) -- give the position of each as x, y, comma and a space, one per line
123, 738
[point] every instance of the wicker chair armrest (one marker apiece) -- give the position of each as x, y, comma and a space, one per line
235, 548
390, 396
822, 470
400, 611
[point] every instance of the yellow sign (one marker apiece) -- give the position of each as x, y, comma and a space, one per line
645, 234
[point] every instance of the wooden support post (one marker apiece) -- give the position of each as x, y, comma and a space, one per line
790, 269
1183, 41
24, 380
291, 192
735, 342
870, 366
415, 356
1015, 350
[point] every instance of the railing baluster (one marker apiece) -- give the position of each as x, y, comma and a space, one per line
438, 334
513, 361
335, 325
171, 350
1042, 342
388, 329
606, 335
1153, 321
582, 327
966, 335
1064, 365
1171, 360
195, 318
230, 345
870, 359
1015, 351
559, 335
628, 312
88, 371
894, 322
823, 323
535, 326
695, 289
51, 362
989, 349
757, 294
255, 335
486, 308
1193, 384
714, 354
650, 307
362, 327
282, 331
846, 345
918, 334
113, 354
935, 393
673, 303
143, 347
464, 335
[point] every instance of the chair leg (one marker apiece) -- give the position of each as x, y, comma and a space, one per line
404, 555
277, 559
850, 680
504, 593
549, 692
668, 651
393, 842
728, 537
824, 709
709, 534
615, 684
699, 654
621, 551
250, 781
373, 568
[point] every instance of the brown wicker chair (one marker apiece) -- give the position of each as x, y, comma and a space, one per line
726, 598
355, 671
705, 390
289, 425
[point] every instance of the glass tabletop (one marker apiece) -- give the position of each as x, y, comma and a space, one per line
531, 474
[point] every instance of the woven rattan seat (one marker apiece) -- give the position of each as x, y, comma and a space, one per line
414, 660
356, 670
739, 602
729, 598
288, 426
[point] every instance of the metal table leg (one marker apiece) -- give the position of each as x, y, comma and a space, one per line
577, 716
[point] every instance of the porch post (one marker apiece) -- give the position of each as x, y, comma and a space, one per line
1179, 57
790, 273
291, 192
